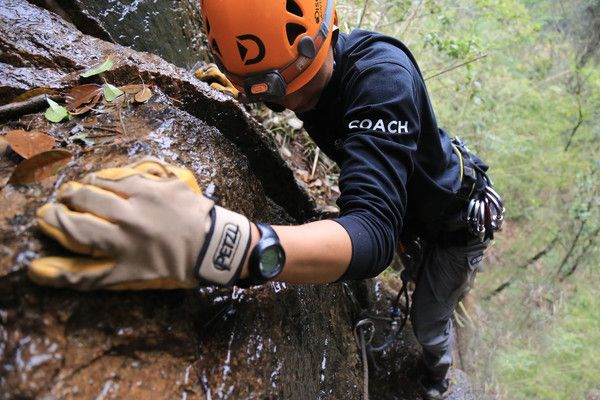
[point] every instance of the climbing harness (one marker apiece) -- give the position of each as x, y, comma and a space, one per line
478, 212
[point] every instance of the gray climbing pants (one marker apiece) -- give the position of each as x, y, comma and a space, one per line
446, 275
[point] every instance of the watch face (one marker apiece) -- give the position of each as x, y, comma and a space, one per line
270, 261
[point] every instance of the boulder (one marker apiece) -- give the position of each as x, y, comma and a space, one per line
170, 29
270, 342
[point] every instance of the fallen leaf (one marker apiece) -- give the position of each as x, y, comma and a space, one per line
3, 146
143, 95
40, 166
132, 89
316, 183
285, 151
105, 66
82, 98
55, 113
303, 175
295, 123
111, 92
32, 93
27, 144
82, 91
87, 107
82, 136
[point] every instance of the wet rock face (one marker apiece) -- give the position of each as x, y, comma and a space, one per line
34, 41
168, 28
271, 342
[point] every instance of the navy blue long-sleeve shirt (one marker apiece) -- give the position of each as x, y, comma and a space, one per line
397, 169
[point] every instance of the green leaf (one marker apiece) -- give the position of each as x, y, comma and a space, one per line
111, 92
105, 66
56, 112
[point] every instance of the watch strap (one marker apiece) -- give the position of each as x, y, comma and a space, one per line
225, 248
267, 233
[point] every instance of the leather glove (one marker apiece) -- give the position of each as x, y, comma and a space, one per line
216, 79
143, 226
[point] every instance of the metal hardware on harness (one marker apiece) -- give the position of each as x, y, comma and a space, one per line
365, 321
485, 209
485, 215
365, 324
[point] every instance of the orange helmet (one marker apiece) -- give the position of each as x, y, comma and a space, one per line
269, 48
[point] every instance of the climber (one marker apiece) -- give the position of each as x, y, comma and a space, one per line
363, 100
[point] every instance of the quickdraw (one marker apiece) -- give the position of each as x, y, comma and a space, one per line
367, 322
485, 209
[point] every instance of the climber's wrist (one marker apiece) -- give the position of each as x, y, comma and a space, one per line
238, 252
255, 236
225, 250
266, 259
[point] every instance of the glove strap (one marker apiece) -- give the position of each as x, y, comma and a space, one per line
224, 251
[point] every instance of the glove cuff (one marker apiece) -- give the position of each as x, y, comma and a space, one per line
225, 249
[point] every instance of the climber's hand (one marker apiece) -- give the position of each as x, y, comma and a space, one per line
216, 79
142, 226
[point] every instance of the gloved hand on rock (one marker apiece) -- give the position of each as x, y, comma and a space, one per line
217, 80
143, 226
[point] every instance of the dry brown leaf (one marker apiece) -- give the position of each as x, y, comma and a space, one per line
285, 151
27, 144
78, 98
40, 166
143, 95
87, 107
132, 89
32, 93
303, 175
3, 146
316, 183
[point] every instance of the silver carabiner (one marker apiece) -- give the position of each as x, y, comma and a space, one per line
370, 330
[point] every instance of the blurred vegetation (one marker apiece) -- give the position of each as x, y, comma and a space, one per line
520, 81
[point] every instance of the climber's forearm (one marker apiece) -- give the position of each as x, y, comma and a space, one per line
318, 252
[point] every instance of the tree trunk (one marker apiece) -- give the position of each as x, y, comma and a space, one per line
171, 29
272, 342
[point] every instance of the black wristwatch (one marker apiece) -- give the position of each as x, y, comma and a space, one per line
267, 257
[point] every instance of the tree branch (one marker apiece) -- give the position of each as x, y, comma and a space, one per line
577, 125
529, 262
28, 106
456, 66
590, 243
362, 14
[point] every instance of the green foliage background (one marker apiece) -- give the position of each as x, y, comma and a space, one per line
528, 101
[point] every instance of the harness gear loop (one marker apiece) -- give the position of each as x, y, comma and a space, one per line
484, 207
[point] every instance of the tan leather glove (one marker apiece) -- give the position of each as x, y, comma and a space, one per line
143, 226
216, 79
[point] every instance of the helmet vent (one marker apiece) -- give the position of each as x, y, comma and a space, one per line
293, 8
293, 31
215, 47
207, 26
